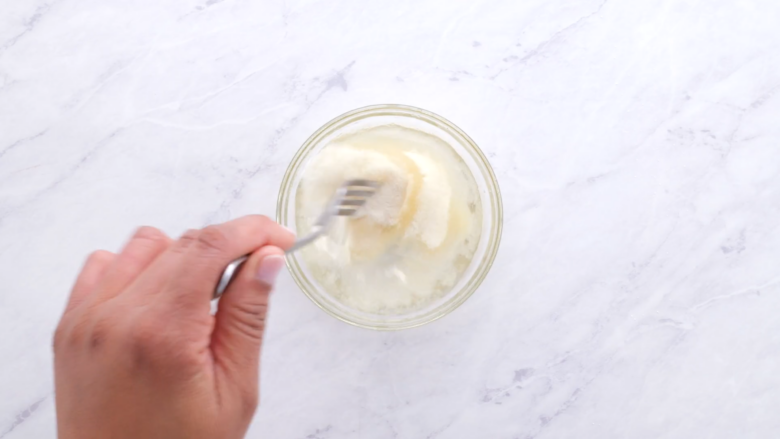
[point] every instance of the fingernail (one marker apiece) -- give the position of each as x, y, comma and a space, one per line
289, 230
269, 269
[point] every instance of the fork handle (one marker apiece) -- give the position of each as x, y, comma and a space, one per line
306, 240
227, 275
230, 271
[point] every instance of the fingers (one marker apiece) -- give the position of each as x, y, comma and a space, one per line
198, 259
241, 317
94, 268
143, 248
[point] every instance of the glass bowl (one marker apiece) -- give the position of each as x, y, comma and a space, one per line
469, 152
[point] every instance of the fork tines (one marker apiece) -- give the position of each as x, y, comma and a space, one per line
356, 193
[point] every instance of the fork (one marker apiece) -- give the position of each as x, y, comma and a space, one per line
347, 200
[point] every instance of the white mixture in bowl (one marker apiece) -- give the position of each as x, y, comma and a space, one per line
415, 236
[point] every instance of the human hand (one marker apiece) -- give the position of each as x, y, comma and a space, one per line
138, 354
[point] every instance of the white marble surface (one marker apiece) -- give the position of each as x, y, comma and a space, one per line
636, 293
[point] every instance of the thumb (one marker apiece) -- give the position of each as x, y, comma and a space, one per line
240, 319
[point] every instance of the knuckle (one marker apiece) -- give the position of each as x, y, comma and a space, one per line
142, 335
146, 241
265, 226
264, 223
186, 240
73, 331
262, 220
99, 256
151, 234
213, 240
60, 339
101, 330
77, 332
87, 329
257, 222
142, 343
131, 266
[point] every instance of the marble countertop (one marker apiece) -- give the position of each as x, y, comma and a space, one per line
636, 293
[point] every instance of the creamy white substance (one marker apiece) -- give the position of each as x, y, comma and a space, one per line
414, 237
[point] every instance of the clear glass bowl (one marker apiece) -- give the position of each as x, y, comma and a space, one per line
427, 122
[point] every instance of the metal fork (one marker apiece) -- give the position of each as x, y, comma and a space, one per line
347, 200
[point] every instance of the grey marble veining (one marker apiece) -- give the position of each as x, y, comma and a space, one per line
637, 145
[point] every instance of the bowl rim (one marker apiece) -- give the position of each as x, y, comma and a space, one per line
494, 195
